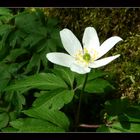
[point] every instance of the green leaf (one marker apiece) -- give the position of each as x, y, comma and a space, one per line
47, 107
52, 22
98, 86
42, 81
116, 106
4, 119
133, 113
66, 74
96, 74
5, 47
5, 11
15, 53
124, 121
117, 126
54, 99
34, 125
102, 128
13, 115
5, 76
34, 62
120, 124
18, 101
4, 28
32, 24
32, 40
9, 129
17, 38
54, 116
7, 71
51, 45
5, 15
91, 76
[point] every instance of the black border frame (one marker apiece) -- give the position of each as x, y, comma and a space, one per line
70, 4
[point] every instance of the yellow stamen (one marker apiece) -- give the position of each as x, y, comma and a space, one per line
84, 57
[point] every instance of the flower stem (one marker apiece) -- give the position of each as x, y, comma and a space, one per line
79, 104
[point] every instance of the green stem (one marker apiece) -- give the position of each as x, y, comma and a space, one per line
79, 105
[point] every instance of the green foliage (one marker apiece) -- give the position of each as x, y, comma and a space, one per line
34, 125
41, 81
120, 116
66, 74
5, 15
23, 48
54, 99
54, 116
97, 86
4, 118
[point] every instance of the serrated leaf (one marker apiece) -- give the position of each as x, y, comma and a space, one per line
32, 24
34, 125
34, 62
5, 48
55, 99
5, 15
54, 116
4, 28
48, 105
66, 74
98, 86
15, 53
18, 101
4, 119
44, 81
6, 70
16, 39
31, 40
5, 76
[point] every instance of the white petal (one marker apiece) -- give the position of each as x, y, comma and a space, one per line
107, 45
79, 69
103, 62
60, 59
70, 42
90, 39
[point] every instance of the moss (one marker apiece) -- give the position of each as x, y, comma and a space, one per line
126, 70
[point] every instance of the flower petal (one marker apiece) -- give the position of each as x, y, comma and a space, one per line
103, 62
107, 45
79, 69
90, 39
70, 42
60, 59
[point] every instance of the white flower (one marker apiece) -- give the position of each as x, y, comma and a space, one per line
82, 59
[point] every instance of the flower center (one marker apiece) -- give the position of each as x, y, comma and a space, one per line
87, 57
